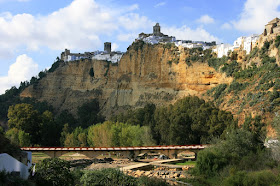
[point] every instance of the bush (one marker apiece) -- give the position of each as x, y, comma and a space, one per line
230, 68
210, 161
110, 177
237, 144
10, 180
264, 178
55, 65
106, 177
277, 42
218, 90
217, 62
143, 180
53, 171
236, 87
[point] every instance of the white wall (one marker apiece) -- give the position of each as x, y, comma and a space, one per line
223, 49
10, 164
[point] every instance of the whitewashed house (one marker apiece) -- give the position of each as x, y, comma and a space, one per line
222, 49
10, 164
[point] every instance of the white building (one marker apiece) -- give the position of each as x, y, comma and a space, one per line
10, 164
194, 44
249, 43
222, 49
238, 42
246, 43
114, 57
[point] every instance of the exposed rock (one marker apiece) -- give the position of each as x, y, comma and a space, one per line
143, 75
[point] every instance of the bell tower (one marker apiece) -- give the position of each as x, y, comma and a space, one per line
156, 30
107, 47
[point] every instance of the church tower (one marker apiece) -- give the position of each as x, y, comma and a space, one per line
156, 30
107, 47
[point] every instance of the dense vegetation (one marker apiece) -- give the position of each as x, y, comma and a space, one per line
238, 159
57, 172
189, 121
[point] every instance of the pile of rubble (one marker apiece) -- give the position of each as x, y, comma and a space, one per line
160, 172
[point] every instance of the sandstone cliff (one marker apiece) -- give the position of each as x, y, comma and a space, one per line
146, 74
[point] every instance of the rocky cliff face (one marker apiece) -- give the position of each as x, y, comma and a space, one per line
146, 74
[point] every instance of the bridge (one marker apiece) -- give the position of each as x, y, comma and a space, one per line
124, 152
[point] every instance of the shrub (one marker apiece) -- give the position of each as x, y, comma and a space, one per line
236, 86
138, 45
55, 65
10, 180
237, 144
169, 63
53, 171
218, 90
217, 62
168, 45
277, 42
264, 177
230, 68
143, 180
106, 177
210, 161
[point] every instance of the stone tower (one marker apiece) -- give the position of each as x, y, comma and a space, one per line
107, 47
156, 30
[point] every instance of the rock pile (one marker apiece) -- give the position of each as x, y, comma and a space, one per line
163, 174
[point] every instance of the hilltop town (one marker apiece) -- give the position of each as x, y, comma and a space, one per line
241, 44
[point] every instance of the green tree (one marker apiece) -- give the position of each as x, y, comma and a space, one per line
78, 138
49, 128
88, 114
19, 137
24, 139
24, 117
12, 135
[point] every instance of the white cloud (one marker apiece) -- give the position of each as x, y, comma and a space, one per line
134, 21
23, 69
226, 26
160, 4
77, 26
115, 46
205, 19
257, 13
186, 33
128, 37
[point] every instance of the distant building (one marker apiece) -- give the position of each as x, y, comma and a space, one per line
222, 49
107, 54
68, 56
273, 27
195, 44
156, 37
113, 57
246, 43
107, 47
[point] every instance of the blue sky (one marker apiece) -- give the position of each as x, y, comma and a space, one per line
34, 32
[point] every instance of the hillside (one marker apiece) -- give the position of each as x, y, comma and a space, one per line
159, 74
254, 90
